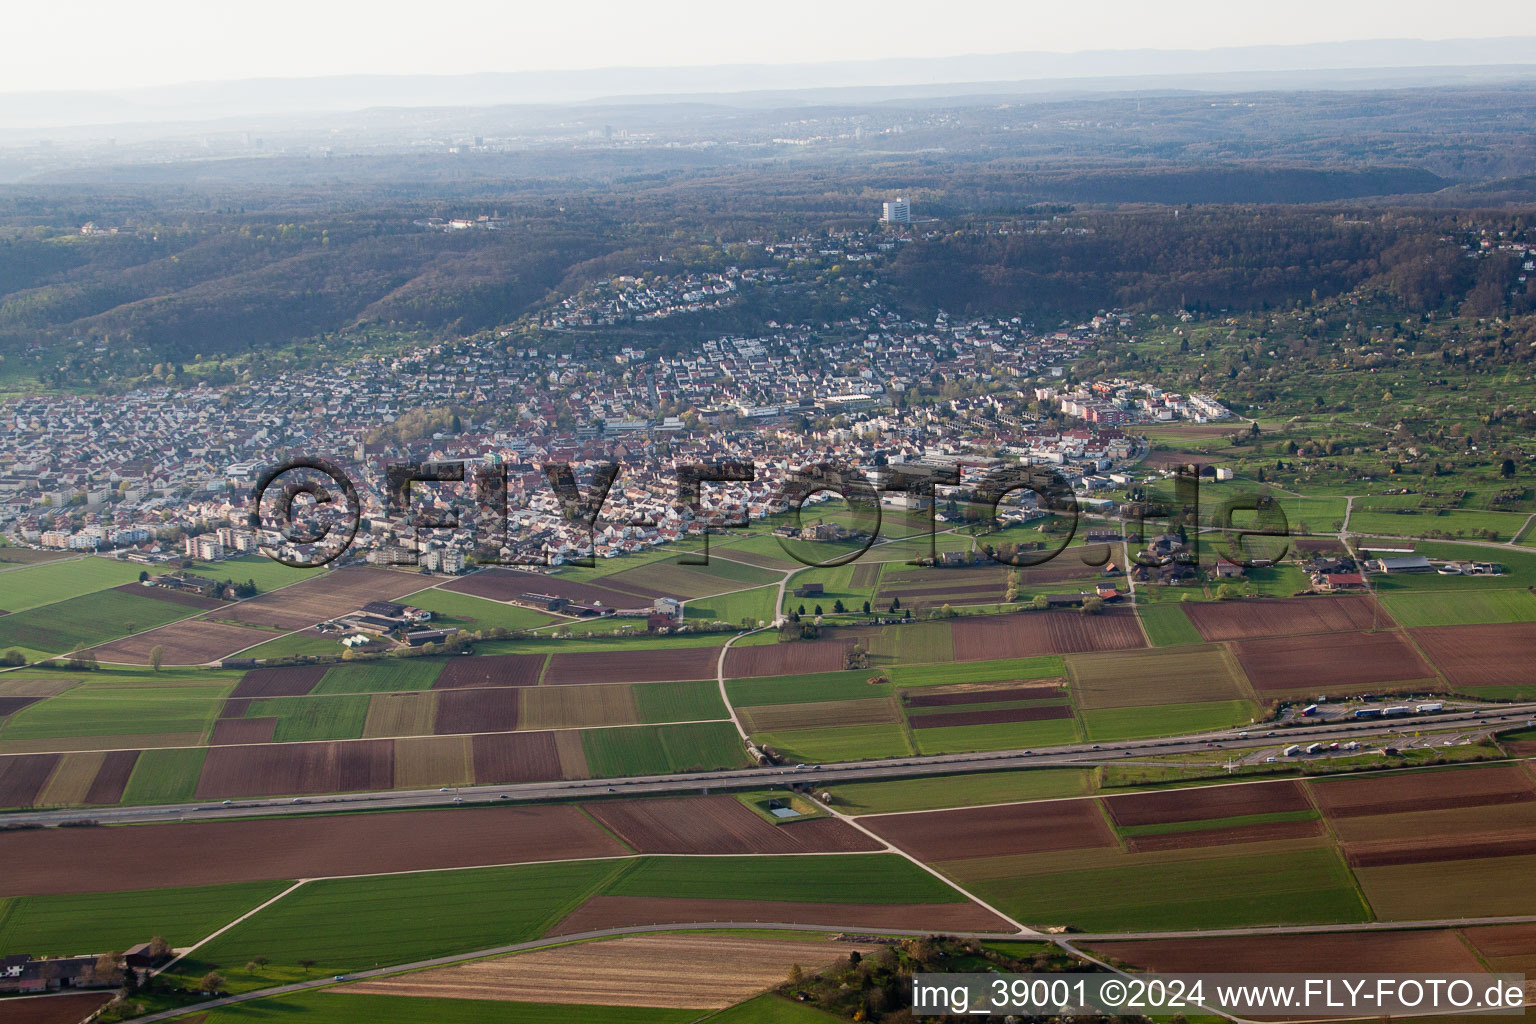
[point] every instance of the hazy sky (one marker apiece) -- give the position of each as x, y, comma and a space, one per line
103, 44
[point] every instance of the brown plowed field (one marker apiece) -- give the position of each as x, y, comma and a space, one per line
942, 721
1225, 836
1504, 940
577, 707
22, 777
692, 971
188, 642
1168, 675
972, 693
235, 707
1027, 634
112, 779
511, 585
400, 714
71, 780
70, 1009
295, 681
820, 714
228, 731
322, 597
425, 761
657, 666
787, 659
1271, 617
625, 911
475, 711
1337, 663
494, 670
515, 757
1363, 952
174, 854
1205, 803
1424, 791
11, 705
283, 769
172, 596
1481, 655
969, 833
1379, 854
572, 755
720, 824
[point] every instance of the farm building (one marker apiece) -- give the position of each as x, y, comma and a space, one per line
809, 590
1404, 563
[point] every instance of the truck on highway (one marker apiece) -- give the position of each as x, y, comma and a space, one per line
1368, 713
1396, 711
1293, 750
1424, 709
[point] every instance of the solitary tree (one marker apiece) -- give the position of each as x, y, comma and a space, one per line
156, 657
211, 983
1507, 468
837, 606
159, 949
1040, 603
818, 609
866, 607
306, 963
796, 974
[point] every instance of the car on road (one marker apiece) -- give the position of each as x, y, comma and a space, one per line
802, 766
229, 803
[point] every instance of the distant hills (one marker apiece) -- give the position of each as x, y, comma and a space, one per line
1381, 63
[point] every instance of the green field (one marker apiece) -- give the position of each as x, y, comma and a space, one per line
1460, 607
1167, 625
805, 689
971, 790
476, 613
119, 712
294, 645
338, 1006
313, 718
755, 605
838, 743
267, 574
50, 582
349, 924
771, 1009
956, 739
86, 621
165, 776
1166, 720
1209, 824
1046, 666
1423, 522
826, 878
1164, 893
661, 749
102, 922
387, 675
693, 701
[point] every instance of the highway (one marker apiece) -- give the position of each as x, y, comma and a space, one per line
1378, 732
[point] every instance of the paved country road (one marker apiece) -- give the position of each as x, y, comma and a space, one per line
1080, 754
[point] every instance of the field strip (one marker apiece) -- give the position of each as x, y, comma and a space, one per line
209, 938
542, 943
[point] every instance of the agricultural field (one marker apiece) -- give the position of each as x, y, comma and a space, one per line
1482, 659
923, 794
119, 711
385, 676
1346, 663
753, 606
1461, 607
1243, 620
187, 642
298, 719
342, 1006
477, 613
350, 924
1155, 678
51, 582
306, 643
1003, 736
1133, 723
1167, 625
59, 925
85, 621
700, 971
660, 749
838, 743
